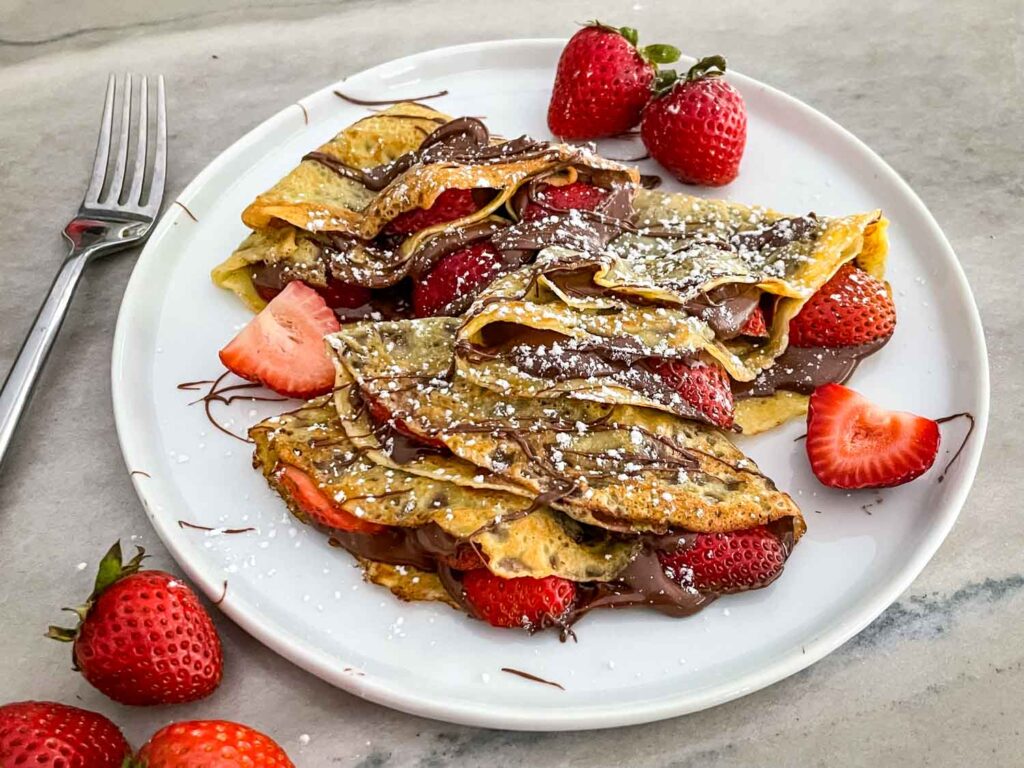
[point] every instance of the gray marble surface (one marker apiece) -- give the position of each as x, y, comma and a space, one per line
935, 88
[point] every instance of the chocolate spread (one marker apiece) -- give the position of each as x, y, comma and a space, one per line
804, 369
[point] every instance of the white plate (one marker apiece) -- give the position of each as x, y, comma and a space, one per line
306, 600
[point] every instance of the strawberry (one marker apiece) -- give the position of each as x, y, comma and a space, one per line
524, 602
603, 82
705, 386
282, 347
317, 507
756, 325
851, 308
211, 744
44, 733
853, 443
450, 205
466, 558
575, 196
381, 415
455, 280
143, 636
697, 128
727, 562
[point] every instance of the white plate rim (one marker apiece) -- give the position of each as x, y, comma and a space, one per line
304, 654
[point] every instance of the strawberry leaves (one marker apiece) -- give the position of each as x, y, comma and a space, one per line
112, 569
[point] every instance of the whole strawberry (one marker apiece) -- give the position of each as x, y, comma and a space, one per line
728, 562
143, 636
697, 128
603, 82
211, 744
43, 733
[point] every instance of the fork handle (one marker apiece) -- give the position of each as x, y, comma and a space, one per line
21, 381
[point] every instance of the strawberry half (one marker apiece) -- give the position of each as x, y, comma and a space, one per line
450, 205
317, 507
705, 386
603, 81
283, 348
144, 638
853, 443
756, 325
852, 308
47, 734
727, 562
576, 196
524, 602
455, 280
697, 129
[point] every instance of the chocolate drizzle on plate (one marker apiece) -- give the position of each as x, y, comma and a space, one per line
217, 394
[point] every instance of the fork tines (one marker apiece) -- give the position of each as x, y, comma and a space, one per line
111, 189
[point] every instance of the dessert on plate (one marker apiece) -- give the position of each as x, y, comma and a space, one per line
522, 367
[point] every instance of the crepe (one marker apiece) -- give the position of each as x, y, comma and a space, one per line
680, 287
618, 467
322, 221
515, 536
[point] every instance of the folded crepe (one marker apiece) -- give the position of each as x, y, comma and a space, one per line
418, 535
425, 520
618, 467
327, 220
680, 285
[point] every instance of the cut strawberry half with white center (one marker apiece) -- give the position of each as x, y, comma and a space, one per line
283, 348
853, 443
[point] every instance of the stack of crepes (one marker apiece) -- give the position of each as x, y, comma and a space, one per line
532, 430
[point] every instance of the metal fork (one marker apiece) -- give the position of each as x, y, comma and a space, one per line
113, 215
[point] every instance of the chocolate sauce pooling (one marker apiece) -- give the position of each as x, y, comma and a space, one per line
804, 369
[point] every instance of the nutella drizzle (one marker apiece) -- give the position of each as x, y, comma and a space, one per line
197, 527
215, 394
532, 678
385, 102
963, 444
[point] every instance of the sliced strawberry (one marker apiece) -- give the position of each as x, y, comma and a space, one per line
466, 558
853, 443
456, 279
756, 325
317, 506
727, 562
382, 415
282, 347
549, 198
851, 308
705, 386
523, 602
450, 205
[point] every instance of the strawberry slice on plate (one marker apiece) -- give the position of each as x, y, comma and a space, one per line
450, 205
727, 562
523, 602
853, 443
283, 348
317, 506
850, 309
548, 199
456, 279
705, 386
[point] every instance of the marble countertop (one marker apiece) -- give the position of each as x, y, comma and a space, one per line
935, 89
